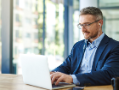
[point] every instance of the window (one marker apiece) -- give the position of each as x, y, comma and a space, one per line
108, 3
30, 31
0, 37
18, 19
111, 20
110, 9
17, 2
23, 39
76, 31
54, 45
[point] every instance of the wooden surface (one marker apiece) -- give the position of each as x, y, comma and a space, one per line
15, 82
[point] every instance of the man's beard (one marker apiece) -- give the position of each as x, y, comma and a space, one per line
95, 35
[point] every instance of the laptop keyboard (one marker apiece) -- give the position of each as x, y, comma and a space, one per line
55, 86
60, 84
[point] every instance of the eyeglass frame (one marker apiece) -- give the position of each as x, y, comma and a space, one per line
84, 25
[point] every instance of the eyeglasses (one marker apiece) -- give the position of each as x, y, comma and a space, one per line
85, 25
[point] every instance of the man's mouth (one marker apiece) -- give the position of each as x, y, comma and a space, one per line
85, 33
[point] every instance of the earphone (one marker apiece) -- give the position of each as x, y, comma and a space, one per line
99, 24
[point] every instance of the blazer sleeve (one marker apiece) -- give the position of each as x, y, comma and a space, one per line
102, 76
67, 66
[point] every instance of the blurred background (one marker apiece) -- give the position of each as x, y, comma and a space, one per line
46, 27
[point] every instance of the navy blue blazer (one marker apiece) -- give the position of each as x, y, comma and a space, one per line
105, 65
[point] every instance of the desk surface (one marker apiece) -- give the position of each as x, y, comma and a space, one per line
15, 82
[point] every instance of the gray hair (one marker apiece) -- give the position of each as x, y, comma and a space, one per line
92, 11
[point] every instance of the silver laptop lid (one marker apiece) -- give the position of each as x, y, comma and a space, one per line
35, 70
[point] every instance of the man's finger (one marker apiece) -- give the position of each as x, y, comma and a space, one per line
52, 72
59, 80
54, 77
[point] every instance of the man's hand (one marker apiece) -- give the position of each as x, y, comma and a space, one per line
51, 73
60, 77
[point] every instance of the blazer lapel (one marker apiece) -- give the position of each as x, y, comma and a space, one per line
99, 51
80, 56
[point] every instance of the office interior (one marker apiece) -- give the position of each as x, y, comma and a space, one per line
46, 27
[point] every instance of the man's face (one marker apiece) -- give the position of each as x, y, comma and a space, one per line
92, 31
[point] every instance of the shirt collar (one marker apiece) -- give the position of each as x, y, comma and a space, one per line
96, 42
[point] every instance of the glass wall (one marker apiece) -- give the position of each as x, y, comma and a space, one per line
110, 9
25, 32
0, 37
28, 30
38, 28
108, 3
54, 42
111, 20
76, 36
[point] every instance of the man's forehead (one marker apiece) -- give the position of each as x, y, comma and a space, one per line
86, 18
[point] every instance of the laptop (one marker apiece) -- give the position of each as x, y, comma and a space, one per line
35, 72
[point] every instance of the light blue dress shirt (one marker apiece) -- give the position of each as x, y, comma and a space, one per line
88, 58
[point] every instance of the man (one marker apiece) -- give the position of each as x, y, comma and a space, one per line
94, 60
